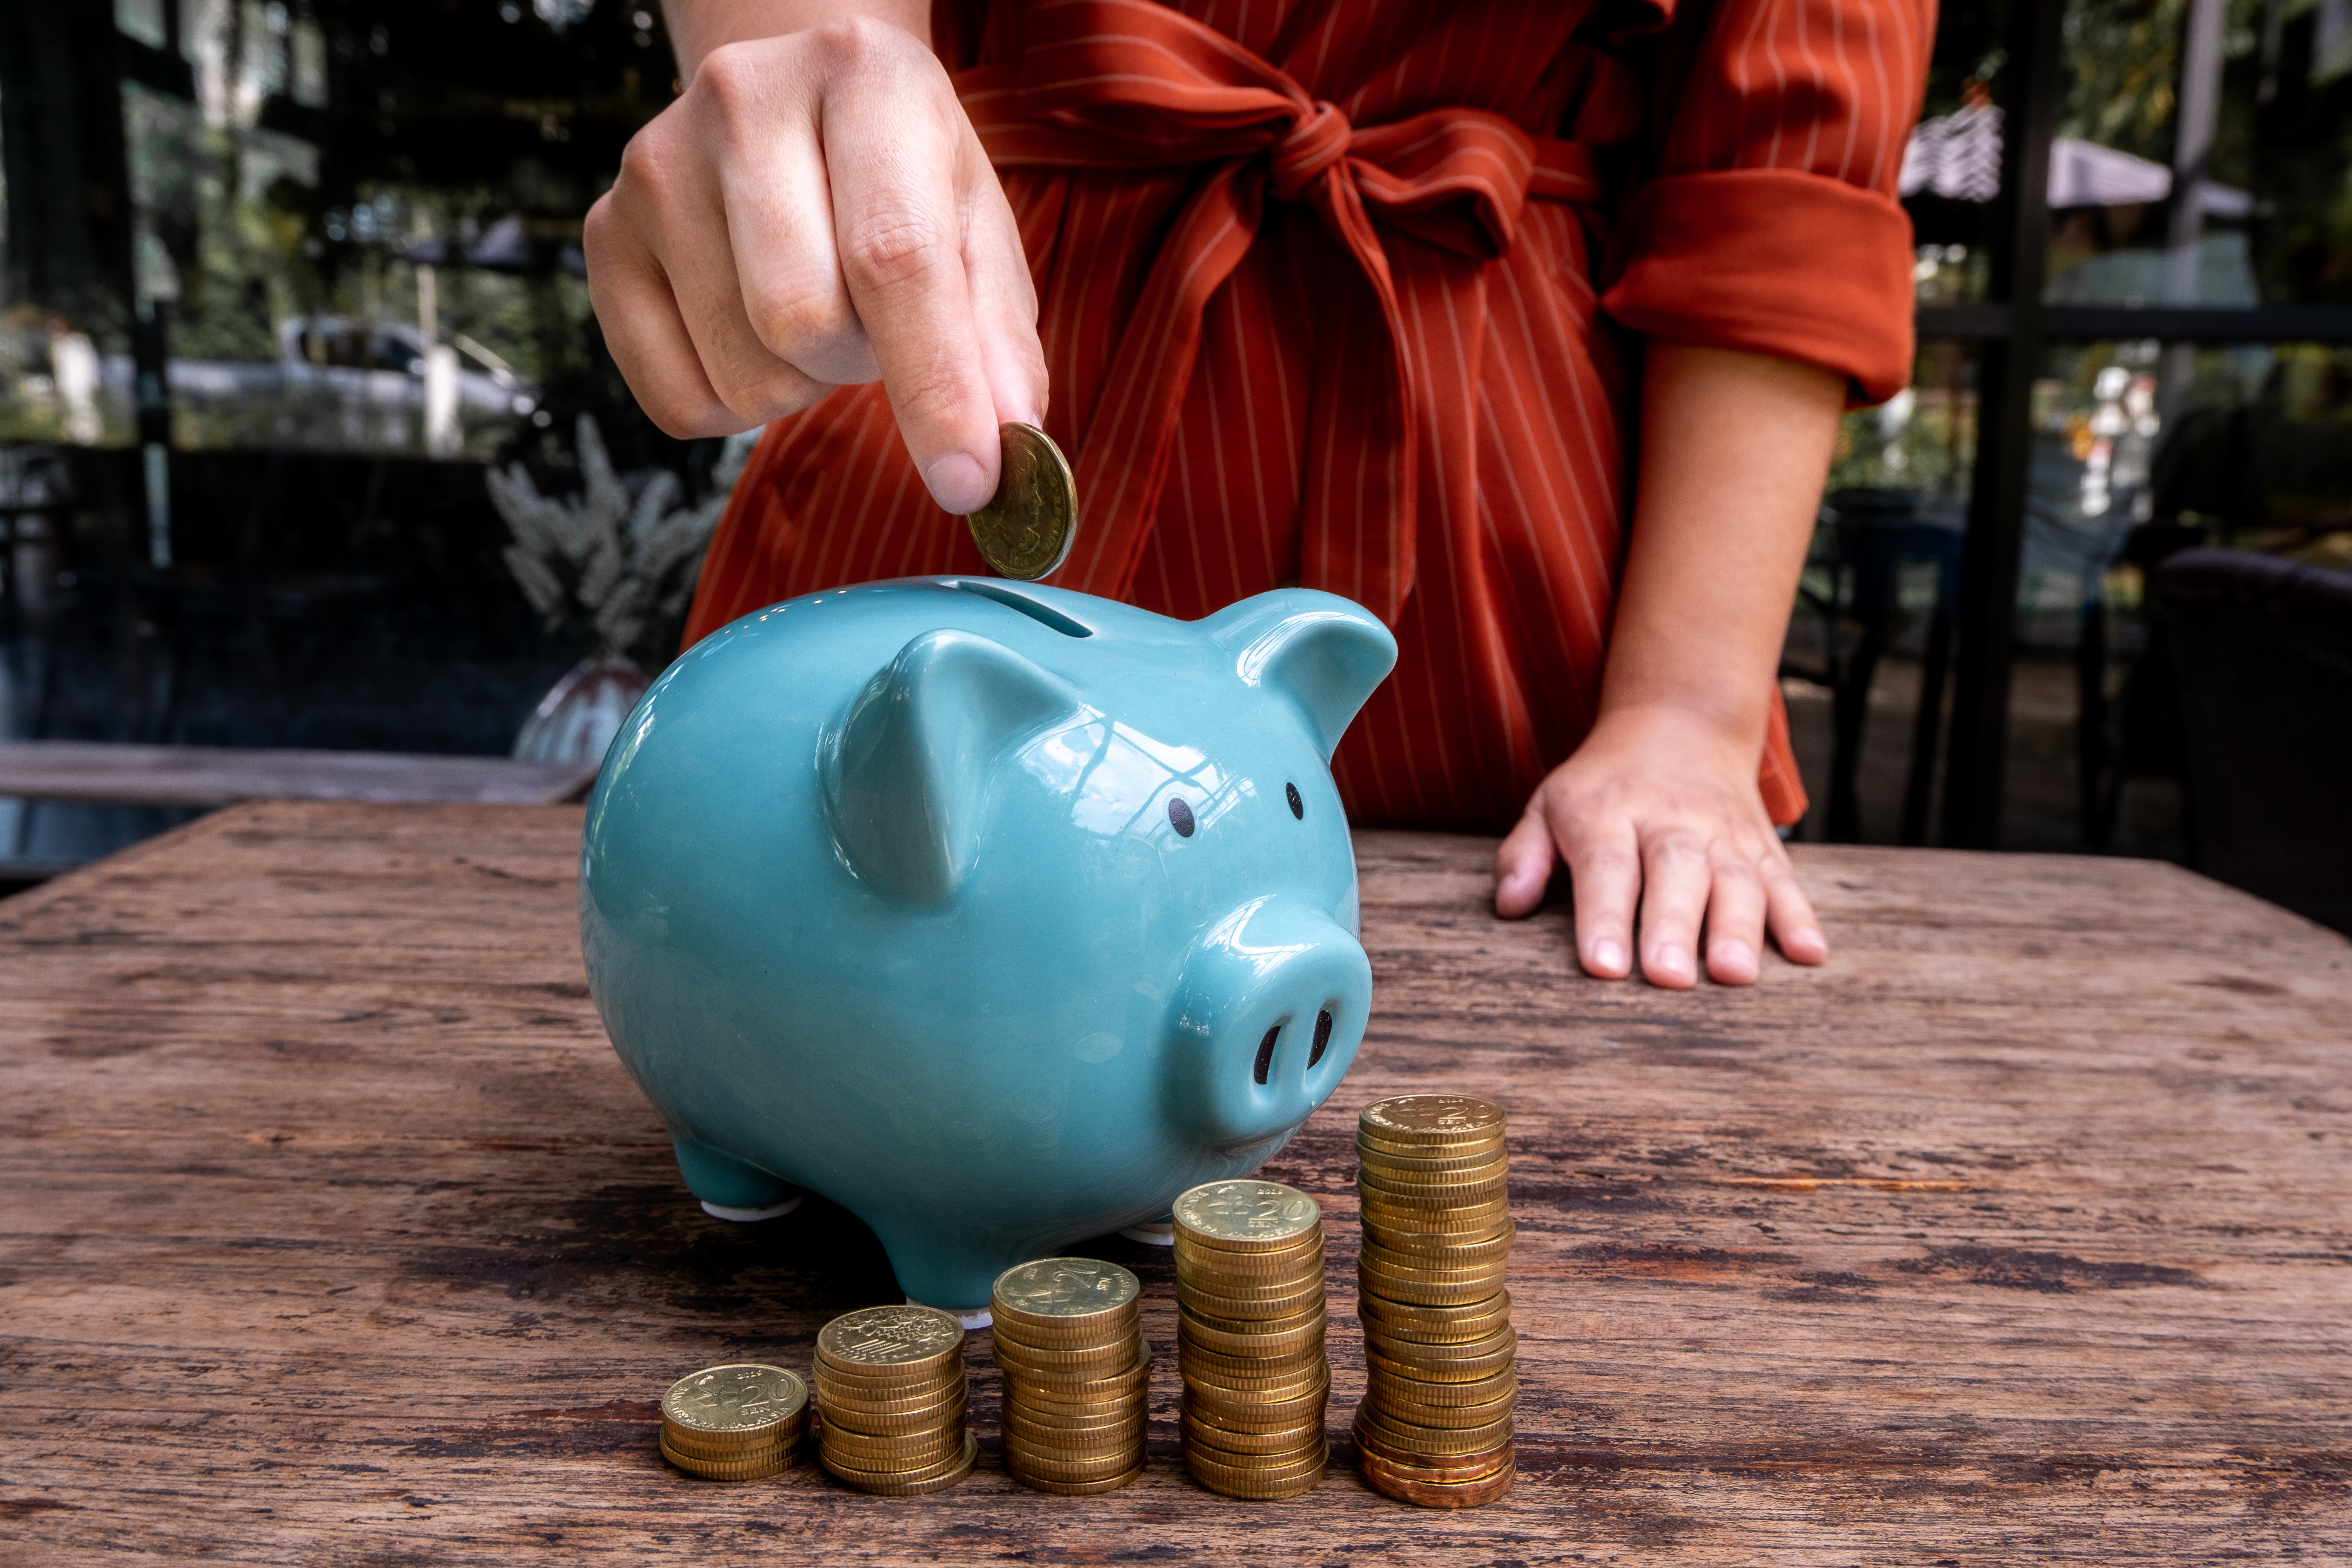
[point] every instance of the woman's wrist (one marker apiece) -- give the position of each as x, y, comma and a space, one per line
697, 26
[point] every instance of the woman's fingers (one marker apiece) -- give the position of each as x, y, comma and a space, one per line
1604, 865
778, 202
893, 146
1735, 920
816, 210
1676, 872
646, 337
1791, 916
1523, 864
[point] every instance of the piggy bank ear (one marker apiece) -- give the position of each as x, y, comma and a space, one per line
1318, 650
909, 769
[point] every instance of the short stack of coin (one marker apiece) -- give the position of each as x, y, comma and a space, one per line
1077, 1374
1435, 1425
734, 1423
891, 1391
1249, 1292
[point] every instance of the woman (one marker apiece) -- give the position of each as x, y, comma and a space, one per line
1331, 291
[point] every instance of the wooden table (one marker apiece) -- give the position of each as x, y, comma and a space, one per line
334, 1234
111, 773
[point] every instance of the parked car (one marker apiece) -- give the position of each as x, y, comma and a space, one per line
346, 386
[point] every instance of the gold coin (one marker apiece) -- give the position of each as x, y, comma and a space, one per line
1075, 1367
1268, 1400
1298, 1253
1432, 1162
1226, 1440
1254, 1480
1280, 1338
883, 1485
1246, 1215
1386, 1259
1026, 1465
742, 1401
1462, 1418
1475, 1283
1051, 1397
890, 1402
907, 1339
837, 1460
1412, 1193
1117, 1330
1438, 1442
1391, 1480
1432, 1118
1098, 1428
1430, 1392
1087, 1450
919, 1451
1445, 1251
896, 1426
1441, 1364
1245, 1371
1422, 1294
1080, 1489
1063, 1290
1466, 1320
750, 1467
1401, 1227
703, 1447
1254, 1288
1313, 1311
1448, 1467
1026, 528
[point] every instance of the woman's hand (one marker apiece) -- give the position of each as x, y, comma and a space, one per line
1655, 810
1659, 810
815, 210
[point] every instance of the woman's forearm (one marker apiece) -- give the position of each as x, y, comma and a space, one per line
697, 26
1734, 448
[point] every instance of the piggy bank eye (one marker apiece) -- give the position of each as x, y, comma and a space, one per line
1298, 806
1180, 817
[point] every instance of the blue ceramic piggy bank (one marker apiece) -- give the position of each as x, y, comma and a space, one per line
998, 914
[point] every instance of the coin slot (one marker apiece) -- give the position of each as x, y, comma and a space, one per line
1044, 615
1298, 806
1265, 1053
1180, 817
1322, 1037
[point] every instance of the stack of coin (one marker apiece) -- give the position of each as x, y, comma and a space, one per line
1076, 1375
1435, 1428
734, 1423
891, 1391
1249, 1292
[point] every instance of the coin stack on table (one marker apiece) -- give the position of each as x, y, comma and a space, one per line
1077, 1373
1249, 1292
1434, 1427
734, 1423
891, 1393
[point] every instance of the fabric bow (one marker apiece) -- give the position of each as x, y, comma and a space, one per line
1104, 84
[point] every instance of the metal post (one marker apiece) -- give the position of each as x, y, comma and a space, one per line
1988, 613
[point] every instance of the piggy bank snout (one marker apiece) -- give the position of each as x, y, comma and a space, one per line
1272, 1008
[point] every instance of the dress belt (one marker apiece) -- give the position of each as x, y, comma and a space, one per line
1127, 84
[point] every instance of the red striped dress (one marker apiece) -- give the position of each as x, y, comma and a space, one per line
1343, 292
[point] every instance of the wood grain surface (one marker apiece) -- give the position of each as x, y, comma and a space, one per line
333, 1232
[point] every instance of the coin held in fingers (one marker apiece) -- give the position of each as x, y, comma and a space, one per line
1026, 529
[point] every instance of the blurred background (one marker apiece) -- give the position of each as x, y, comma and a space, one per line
308, 441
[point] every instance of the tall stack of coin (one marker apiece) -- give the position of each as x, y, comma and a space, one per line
1249, 1292
734, 1423
891, 1391
1076, 1375
1435, 1426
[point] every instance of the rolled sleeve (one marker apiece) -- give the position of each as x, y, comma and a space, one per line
1772, 262
1770, 224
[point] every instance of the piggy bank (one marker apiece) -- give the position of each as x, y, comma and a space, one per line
998, 914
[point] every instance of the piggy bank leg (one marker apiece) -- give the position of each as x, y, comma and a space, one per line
728, 1188
1160, 1232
